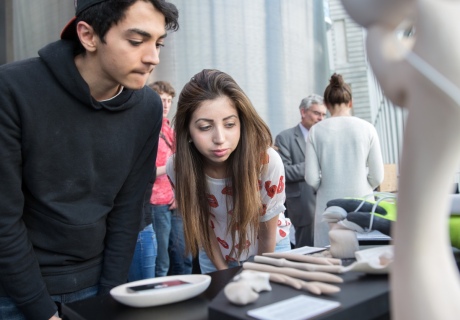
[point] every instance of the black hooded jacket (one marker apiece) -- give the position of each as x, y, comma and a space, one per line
73, 173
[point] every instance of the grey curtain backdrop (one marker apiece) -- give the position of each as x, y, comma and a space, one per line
275, 49
36, 23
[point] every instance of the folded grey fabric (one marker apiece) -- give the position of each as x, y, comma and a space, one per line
363, 219
351, 204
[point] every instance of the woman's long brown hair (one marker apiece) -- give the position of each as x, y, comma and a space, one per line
244, 164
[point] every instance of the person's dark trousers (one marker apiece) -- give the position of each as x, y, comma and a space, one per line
303, 236
179, 261
169, 231
145, 253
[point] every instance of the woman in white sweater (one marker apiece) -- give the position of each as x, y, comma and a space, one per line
343, 156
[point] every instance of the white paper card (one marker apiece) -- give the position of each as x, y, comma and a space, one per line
306, 250
300, 307
373, 235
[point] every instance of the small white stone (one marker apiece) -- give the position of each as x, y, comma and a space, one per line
259, 281
240, 293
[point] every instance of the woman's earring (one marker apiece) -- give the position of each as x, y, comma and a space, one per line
189, 140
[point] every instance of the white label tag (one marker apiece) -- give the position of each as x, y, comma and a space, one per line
297, 308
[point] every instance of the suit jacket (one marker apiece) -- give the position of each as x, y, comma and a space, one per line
300, 197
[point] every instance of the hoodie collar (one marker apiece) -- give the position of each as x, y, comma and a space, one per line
59, 59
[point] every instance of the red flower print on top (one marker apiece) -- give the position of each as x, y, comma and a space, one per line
279, 223
282, 233
280, 185
230, 211
228, 191
246, 245
228, 258
223, 243
271, 189
212, 201
212, 224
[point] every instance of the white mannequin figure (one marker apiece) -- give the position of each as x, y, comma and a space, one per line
425, 282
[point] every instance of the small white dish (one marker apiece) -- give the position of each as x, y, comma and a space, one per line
377, 260
197, 283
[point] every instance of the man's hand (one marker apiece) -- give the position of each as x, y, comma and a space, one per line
173, 205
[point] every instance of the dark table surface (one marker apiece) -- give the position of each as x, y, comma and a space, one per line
105, 307
361, 297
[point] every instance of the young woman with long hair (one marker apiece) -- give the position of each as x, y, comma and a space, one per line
229, 182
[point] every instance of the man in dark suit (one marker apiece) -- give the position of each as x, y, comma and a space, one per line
300, 197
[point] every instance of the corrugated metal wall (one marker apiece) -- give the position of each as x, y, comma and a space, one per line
369, 103
275, 49
390, 122
350, 58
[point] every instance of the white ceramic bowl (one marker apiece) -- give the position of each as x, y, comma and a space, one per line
197, 283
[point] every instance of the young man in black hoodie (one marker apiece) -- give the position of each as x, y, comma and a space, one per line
78, 141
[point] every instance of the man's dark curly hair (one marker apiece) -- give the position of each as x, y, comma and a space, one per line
107, 13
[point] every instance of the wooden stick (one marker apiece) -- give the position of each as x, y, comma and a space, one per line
314, 287
304, 258
306, 275
298, 265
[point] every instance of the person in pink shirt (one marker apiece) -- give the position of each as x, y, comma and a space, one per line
167, 222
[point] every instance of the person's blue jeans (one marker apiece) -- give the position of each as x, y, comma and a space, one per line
179, 261
8, 309
169, 230
207, 266
143, 263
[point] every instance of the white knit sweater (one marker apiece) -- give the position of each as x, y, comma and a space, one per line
343, 159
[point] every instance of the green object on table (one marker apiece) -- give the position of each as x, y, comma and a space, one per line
385, 213
454, 230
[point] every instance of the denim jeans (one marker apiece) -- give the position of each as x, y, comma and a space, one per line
169, 230
143, 264
179, 262
207, 266
8, 309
